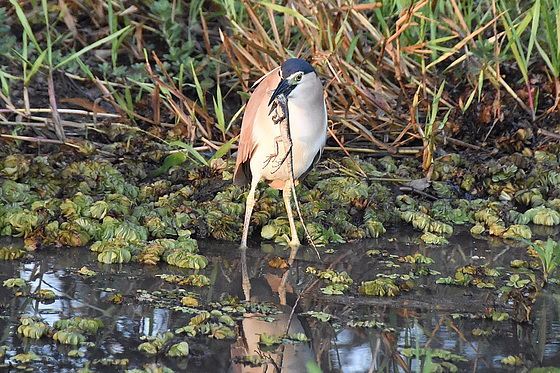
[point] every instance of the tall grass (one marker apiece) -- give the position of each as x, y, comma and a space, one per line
380, 61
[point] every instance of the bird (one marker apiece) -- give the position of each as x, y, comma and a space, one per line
292, 96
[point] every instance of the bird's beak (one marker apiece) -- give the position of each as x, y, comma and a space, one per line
284, 88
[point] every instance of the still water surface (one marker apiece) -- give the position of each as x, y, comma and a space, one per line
430, 317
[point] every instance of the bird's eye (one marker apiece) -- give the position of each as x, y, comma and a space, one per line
298, 77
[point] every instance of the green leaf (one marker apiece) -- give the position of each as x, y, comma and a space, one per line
268, 339
92, 46
25, 24
173, 159
292, 12
224, 148
192, 151
179, 349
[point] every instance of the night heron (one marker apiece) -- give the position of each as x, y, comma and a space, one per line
283, 133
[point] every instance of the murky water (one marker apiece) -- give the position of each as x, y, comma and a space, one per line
399, 330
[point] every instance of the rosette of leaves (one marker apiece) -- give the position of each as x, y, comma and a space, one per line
222, 225
85, 324
279, 229
19, 222
152, 192
11, 253
543, 215
443, 210
154, 344
76, 206
70, 336
20, 193
215, 324
15, 283
75, 233
380, 287
372, 225
322, 236
46, 295
471, 275
424, 222
115, 251
420, 263
178, 350
14, 166
341, 220
99, 176
151, 252
112, 228
31, 328
185, 259
191, 280
182, 255
339, 282
343, 189
266, 339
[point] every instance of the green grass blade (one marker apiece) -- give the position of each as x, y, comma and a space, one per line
219, 109
25, 24
173, 159
47, 25
192, 151
5, 84
291, 12
198, 87
224, 149
35, 67
93, 46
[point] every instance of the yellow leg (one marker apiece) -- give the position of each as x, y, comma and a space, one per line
245, 283
286, 193
248, 211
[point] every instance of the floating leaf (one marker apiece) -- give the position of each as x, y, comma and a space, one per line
268, 339
379, 287
179, 349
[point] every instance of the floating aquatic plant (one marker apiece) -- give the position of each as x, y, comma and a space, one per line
266, 339
321, 316
30, 327
380, 287
46, 295
14, 283
14, 166
365, 324
11, 253
96, 176
543, 215
178, 350
191, 280
26, 357
424, 222
471, 275
189, 301
91, 325
154, 344
433, 239
337, 282
185, 259
114, 251
69, 336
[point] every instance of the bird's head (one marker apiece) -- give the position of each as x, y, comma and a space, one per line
295, 74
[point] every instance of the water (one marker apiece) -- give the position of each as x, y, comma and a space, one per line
430, 317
